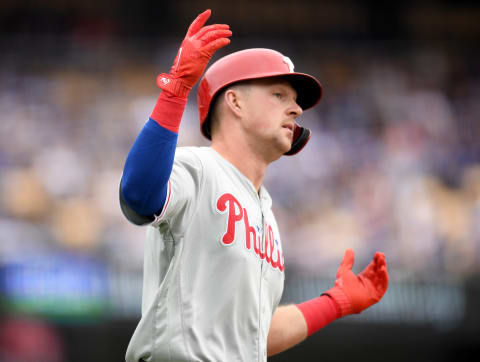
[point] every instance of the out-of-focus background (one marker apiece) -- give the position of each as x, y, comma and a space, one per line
393, 165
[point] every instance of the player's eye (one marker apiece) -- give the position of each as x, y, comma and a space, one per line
278, 95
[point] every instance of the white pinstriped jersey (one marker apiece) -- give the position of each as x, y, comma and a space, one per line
213, 268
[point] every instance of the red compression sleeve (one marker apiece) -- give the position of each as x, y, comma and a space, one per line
168, 111
319, 312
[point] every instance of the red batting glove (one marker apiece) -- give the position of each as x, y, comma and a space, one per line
196, 50
354, 293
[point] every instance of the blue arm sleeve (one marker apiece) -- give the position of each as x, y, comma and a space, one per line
147, 169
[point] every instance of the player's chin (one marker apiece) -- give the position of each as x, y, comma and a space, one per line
285, 144
289, 138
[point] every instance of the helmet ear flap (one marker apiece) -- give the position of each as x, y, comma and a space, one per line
301, 136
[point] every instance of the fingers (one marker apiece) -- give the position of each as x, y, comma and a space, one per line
208, 28
199, 22
379, 282
347, 262
213, 46
384, 277
214, 35
376, 272
382, 271
379, 257
380, 262
373, 268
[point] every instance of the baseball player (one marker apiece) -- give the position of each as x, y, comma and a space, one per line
214, 266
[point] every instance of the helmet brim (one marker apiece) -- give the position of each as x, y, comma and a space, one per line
309, 90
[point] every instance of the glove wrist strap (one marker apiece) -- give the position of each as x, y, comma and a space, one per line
173, 85
339, 296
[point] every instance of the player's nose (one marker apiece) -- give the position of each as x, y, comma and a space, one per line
295, 110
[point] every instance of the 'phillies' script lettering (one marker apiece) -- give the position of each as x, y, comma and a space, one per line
227, 203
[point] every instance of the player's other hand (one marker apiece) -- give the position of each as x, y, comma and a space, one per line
192, 58
354, 293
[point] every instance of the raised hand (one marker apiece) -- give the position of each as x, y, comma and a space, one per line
200, 43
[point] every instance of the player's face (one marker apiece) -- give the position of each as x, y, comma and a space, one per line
271, 113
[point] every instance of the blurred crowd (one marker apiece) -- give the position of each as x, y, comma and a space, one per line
393, 163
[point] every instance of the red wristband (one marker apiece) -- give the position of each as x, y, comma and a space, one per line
168, 111
319, 312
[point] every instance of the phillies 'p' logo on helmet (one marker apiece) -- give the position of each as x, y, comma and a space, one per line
254, 64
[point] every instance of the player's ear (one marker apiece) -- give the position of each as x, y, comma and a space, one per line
235, 98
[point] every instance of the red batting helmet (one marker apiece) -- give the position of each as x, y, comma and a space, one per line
253, 64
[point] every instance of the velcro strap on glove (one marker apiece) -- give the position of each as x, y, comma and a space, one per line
342, 300
172, 85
